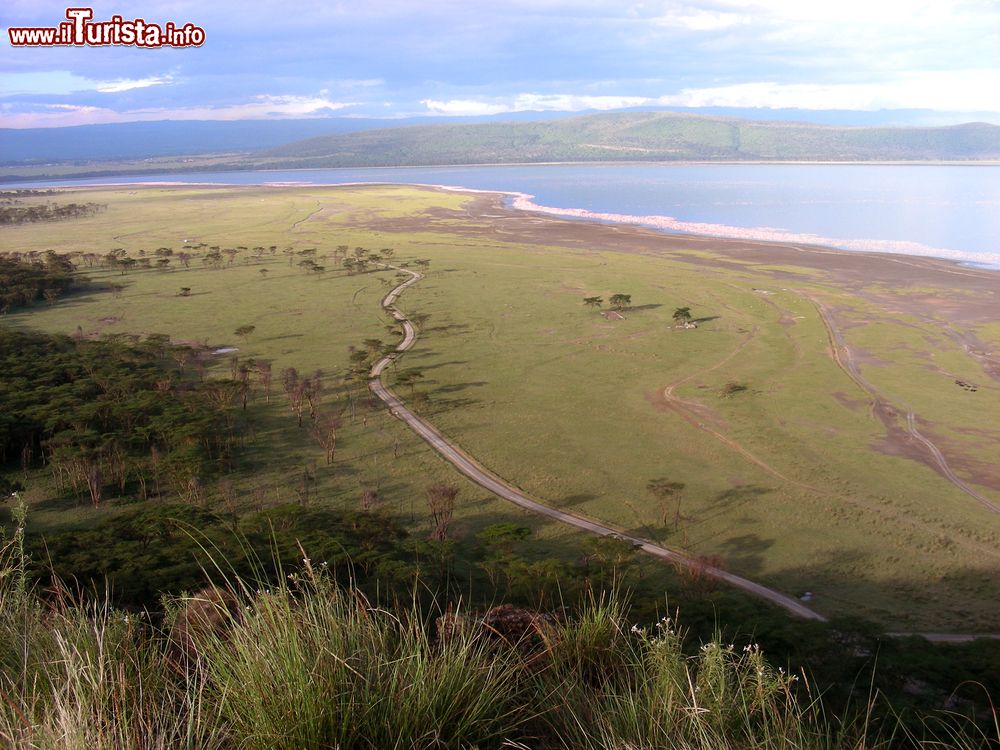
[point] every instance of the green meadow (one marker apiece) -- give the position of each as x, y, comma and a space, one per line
788, 475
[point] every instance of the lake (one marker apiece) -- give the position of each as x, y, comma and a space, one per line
936, 210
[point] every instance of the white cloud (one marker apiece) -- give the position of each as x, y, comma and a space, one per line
574, 103
464, 107
127, 84
697, 19
262, 107
532, 103
63, 82
967, 90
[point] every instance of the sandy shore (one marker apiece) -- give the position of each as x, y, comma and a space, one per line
768, 234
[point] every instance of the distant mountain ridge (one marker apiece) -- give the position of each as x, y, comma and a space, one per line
517, 138
159, 138
636, 136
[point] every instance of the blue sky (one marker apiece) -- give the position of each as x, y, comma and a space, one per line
398, 58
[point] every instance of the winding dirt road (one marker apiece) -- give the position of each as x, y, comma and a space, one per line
486, 479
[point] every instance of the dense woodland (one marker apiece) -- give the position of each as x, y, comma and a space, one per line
116, 412
27, 280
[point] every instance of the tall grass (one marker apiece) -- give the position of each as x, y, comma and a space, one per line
324, 669
307, 664
82, 675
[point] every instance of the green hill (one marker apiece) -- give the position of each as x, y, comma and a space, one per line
636, 136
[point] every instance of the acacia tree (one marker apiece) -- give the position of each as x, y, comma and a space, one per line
620, 301
441, 504
616, 556
682, 315
290, 381
312, 390
244, 332
369, 496
263, 369
593, 301
409, 377
324, 432
663, 490
302, 391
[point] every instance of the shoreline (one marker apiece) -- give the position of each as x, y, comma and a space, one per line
113, 172
662, 224
672, 225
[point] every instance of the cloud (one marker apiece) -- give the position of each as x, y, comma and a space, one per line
464, 107
64, 82
261, 107
697, 19
127, 84
462, 58
532, 103
968, 90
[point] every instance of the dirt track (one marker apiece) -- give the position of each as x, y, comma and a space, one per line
486, 479
688, 411
844, 358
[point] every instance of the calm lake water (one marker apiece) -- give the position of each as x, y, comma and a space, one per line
942, 211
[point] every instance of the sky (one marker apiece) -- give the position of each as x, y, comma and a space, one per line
405, 58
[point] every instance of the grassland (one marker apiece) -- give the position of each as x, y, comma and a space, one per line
795, 481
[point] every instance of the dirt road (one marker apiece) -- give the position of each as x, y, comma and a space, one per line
842, 355
486, 479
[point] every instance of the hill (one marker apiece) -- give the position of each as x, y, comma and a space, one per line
145, 140
635, 136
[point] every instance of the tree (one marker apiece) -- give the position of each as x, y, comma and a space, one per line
682, 315
324, 432
369, 497
244, 332
663, 490
616, 555
290, 381
410, 378
620, 301
593, 301
185, 291
263, 368
500, 539
441, 503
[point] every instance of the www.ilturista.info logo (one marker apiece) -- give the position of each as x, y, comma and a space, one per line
80, 31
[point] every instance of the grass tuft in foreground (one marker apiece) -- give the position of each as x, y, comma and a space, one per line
309, 664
